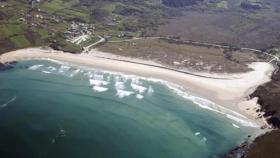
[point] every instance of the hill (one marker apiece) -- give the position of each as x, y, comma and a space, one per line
244, 23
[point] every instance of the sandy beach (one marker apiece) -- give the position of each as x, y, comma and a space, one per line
231, 92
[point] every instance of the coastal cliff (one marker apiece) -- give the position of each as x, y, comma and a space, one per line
266, 145
269, 95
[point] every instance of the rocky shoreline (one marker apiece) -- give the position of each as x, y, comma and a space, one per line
238, 151
268, 95
265, 146
6, 66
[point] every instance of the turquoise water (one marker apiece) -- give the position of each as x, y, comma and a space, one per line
51, 110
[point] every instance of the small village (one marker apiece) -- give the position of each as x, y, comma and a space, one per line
79, 32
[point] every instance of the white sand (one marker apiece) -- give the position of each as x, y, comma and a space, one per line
231, 93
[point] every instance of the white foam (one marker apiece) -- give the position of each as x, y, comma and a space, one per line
98, 82
136, 80
89, 74
119, 85
139, 96
201, 102
46, 72
98, 77
118, 78
35, 67
138, 88
63, 68
204, 139
234, 125
8, 102
150, 91
54, 61
99, 89
108, 78
75, 72
237, 114
241, 121
209, 105
123, 93
51, 68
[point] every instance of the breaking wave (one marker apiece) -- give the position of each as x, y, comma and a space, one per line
100, 89
209, 105
63, 68
46, 72
119, 85
234, 125
8, 102
123, 93
98, 82
75, 72
35, 67
197, 133
138, 88
51, 68
100, 78
139, 96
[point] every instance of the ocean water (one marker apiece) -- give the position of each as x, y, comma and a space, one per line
54, 110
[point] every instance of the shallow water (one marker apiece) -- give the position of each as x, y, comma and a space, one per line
55, 110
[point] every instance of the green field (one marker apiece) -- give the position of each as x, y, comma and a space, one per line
14, 31
56, 5
8, 30
20, 41
132, 18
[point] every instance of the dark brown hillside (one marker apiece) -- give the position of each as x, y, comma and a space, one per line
269, 95
266, 146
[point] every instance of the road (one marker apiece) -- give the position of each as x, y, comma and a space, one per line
274, 57
87, 48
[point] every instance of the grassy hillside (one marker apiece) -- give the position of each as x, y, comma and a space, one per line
251, 23
23, 24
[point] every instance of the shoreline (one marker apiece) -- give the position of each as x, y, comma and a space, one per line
230, 93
